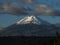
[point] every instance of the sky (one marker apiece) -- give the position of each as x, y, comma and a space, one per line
8, 19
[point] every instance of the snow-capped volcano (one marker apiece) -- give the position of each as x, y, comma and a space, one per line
30, 26
31, 19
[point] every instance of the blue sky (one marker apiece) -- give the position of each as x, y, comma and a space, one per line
7, 19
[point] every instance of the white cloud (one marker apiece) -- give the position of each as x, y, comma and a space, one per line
27, 1
43, 9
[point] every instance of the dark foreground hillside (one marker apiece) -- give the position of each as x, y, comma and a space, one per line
16, 40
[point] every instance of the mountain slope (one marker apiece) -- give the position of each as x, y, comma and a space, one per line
30, 26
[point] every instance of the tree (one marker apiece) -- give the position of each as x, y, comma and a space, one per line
57, 38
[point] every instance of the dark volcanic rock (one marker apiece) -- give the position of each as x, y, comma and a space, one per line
29, 30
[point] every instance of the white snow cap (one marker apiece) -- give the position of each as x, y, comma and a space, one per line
31, 19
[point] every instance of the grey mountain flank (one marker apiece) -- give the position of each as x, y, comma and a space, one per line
30, 26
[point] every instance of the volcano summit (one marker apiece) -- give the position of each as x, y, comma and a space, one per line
32, 20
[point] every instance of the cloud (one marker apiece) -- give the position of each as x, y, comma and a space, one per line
39, 9
14, 9
42, 9
56, 13
26, 1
